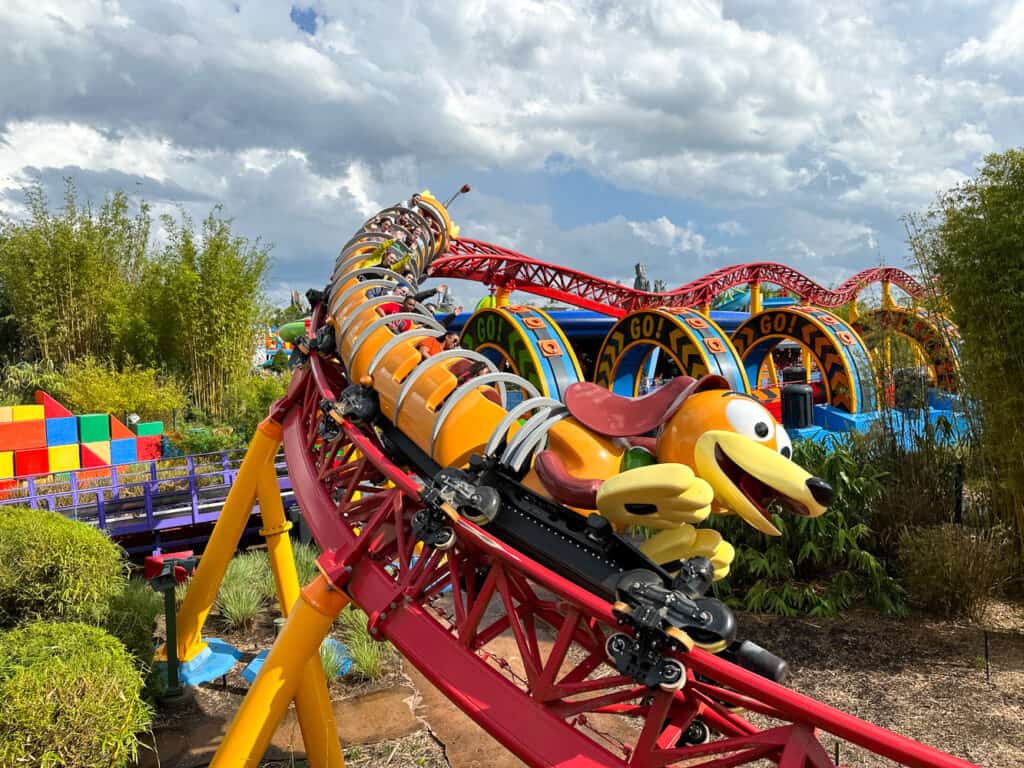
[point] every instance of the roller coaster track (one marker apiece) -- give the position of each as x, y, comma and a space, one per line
502, 268
509, 614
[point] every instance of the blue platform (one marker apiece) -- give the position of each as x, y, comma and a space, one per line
253, 667
215, 660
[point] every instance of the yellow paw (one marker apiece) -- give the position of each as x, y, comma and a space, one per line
656, 496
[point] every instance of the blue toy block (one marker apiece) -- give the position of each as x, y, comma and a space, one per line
944, 401
61, 430
215, 660
253, 667
123, 451
837, 420
814, 434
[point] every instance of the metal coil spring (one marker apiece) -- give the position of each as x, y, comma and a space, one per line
407, 227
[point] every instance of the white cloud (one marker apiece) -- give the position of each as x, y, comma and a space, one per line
731, 228
806, 128
1004, 44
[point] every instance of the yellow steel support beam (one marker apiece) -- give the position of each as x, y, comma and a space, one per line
312, 702
279, 680
224, 540
755, 297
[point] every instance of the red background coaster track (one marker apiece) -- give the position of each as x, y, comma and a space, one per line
558, 703
503, 268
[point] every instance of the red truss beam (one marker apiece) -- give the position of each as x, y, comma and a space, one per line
502, 268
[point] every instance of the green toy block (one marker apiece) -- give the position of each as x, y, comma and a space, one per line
94, 428
148, 428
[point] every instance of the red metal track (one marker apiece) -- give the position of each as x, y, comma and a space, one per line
555, 702
501, 268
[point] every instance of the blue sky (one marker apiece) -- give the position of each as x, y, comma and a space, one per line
687, 135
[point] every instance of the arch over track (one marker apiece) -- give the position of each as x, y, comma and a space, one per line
694, 342
503, 268
938, 344
838, 350
530, 341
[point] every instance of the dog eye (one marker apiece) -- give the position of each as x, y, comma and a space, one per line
750, 419
783, 442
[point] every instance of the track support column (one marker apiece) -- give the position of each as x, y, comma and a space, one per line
312, 701
283, 671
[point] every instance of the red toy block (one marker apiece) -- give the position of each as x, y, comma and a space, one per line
119, 430
23, 435
34, 461
153, 565
149, 447
90, 459
51, 408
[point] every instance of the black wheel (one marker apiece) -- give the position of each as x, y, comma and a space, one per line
483, 506
719, 622
616, 645
696, 733
672, 674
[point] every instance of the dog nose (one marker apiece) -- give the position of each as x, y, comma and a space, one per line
821, 491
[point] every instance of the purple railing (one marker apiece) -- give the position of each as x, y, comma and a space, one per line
142, 499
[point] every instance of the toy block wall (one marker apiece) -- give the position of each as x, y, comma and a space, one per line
47, 438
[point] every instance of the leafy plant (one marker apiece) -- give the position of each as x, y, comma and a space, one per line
332, 659
368, 656
951, 570
132, 620
243, 591
971, 241
55, 568
69, 696
818, 566
90, 386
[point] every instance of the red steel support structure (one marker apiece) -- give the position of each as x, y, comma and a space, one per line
501, 268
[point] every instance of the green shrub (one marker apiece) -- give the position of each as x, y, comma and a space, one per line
952, 571
132, 620
305, 562
91, 386
69, 697
247, 584
200, 439
55, 568
818, 566
368, 655
332, 661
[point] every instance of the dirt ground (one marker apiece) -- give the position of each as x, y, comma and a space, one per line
926, 679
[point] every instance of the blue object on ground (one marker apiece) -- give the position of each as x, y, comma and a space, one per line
253, 667
215, 660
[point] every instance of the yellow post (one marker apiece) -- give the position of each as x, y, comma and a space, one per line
502, 297
773, 372
755, 297
279, 679
705, 309
887, 300
854, 313
312, 702
224, 541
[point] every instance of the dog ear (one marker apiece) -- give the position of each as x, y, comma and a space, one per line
613, 415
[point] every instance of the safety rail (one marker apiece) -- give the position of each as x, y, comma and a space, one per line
141, 498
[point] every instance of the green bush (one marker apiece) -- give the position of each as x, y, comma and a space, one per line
90, 386
247, 584
55, 568
194, 440
368, 655
69, 697
132, 620
332, 661
305, 561
248, 400
952, 571
819, 566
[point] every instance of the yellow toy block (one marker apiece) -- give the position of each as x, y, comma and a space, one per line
6, 464
27, 413
5, 415
101, 449
64, 458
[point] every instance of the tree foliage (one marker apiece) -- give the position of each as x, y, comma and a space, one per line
972, 241
83, 290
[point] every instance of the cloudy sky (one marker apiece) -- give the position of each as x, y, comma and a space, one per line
687, 134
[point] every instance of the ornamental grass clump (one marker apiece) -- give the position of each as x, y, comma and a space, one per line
55, 568
70, 696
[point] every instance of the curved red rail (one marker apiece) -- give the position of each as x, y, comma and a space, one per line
502, 268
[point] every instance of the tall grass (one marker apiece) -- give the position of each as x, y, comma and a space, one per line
369, 656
